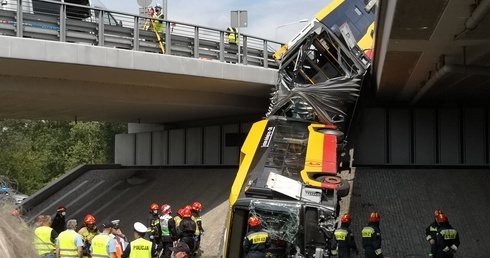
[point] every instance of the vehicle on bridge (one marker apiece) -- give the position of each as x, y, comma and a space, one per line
290, 162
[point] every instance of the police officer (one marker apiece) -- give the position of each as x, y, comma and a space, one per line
343, 240
104, 245
140, 247
447, 239
45, 237
69, 242
256, 241
431, 233
371, 237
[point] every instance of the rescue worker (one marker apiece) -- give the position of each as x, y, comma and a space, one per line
181, 250
343, 240
158, 15
256, 241
173, 225
447, 239
154, 228
196, 216
165, 219
140, 247
45, 239
69, 242
88, 232
148, 23
59, 224
119, 237
187, 229
103, 245
431, 233
371, 237
232, 35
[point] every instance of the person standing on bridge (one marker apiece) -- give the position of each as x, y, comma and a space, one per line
69, 242
232, 36
158, 15
447, 240
256, 241
140, 247
431, 234
371, 238
343, 240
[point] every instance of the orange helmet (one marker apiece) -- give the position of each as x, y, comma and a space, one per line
153, 207
89, 219
253, 221
374, 217
180, 212
188, 207
166, 209
186, 213
441, 218
346, 218
197, 206
436, 213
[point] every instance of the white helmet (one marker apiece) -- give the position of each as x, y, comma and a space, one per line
158, 6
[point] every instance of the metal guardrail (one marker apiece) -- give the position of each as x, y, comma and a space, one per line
66, 22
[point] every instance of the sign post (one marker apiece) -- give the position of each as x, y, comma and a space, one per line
239, 19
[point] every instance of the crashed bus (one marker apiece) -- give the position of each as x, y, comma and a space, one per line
290, 161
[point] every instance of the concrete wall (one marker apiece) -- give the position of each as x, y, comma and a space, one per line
188, 146
423, 136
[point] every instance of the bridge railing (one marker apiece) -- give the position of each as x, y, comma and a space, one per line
72, 23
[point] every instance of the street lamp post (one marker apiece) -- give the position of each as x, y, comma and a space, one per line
287, 24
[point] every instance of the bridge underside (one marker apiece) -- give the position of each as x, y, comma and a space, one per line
105, 84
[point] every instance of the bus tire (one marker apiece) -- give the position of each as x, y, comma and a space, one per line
343, 188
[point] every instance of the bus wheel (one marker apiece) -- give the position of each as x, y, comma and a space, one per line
343, 186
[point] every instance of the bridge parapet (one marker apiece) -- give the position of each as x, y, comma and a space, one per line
72, 23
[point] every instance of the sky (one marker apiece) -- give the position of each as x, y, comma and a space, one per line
264, 16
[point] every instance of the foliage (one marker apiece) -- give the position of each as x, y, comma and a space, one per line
34, 153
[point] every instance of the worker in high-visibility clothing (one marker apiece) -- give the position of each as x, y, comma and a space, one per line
196, 216
88, 232
69, 242
371, 237
447, 241
256, 241
165, 221
104, 245
158, 14
232, 35
140, 247
343, 240
45, 237
431, 233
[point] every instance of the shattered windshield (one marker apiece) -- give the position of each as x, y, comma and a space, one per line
280, 220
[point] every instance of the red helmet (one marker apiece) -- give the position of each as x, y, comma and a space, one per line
188, 207
346, 218
253, 221
197, 206
186, 213
180, 211
166, 209
89, 219
436, 213
441, 218
153, 207
374, 217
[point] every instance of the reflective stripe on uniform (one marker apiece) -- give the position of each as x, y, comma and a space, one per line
340, 234
449, 234
378, 251
42, 242
367, 232
258, 237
